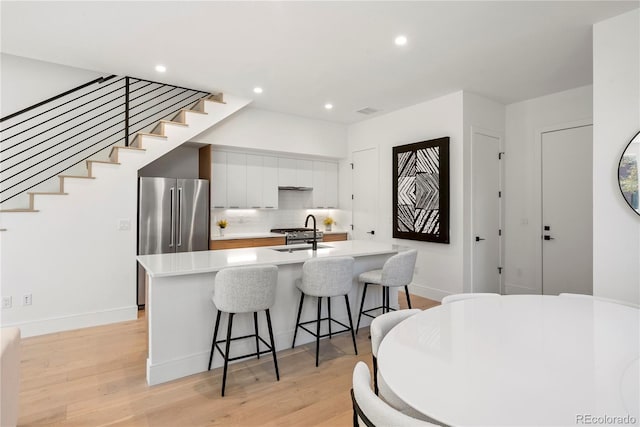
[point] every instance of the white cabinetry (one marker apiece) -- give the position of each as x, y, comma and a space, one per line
219, 179
325, 184
236, 180
295, 172
269, 182
253, 182
242, 180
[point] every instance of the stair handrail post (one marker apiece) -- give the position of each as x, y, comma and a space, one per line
126, 111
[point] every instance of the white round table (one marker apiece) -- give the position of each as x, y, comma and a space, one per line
517, 360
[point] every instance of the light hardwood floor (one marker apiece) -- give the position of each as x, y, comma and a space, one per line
96, 377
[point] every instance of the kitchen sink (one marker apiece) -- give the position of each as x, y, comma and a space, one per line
299, 248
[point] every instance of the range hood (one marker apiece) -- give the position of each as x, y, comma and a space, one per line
291, 188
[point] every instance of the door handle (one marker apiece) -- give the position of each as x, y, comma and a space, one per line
548, 238
171, 218
372, 232
478, 238
179, 216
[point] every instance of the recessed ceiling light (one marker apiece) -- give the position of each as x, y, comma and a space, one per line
257, 89
401, 40
161, 68
328, 106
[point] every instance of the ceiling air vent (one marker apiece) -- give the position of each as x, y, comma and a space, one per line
367, 111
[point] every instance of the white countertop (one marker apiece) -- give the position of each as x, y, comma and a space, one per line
178, 264
259, 235
232, 236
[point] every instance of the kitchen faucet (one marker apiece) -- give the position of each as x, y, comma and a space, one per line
314, 245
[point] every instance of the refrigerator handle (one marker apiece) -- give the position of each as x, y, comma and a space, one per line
171, 216
179, 216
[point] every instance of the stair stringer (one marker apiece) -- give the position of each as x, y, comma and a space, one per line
72, 254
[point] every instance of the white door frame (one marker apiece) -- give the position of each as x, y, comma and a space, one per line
476, 130
539, 133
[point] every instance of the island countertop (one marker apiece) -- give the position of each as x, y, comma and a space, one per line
178, 264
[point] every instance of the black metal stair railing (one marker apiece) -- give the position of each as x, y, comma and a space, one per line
41, 141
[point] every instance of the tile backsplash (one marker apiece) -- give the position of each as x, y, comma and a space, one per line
290, 213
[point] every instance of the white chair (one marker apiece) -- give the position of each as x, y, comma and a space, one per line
397, 271
371, 410
459, 297
10, 375
244, 290
614, 301
325, 277
380, 327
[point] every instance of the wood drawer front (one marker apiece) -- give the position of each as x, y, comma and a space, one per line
334, 237
246, 243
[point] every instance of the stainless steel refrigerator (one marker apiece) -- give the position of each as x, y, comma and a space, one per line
173, 216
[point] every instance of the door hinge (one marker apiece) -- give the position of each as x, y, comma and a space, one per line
499, 194
351, 227
499, 270
351, 165
352, 197
499, 232
500, 154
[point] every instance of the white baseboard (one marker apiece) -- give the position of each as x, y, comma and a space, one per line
427, 292
76, 321
511, 289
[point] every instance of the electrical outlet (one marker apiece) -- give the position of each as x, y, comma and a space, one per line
124, 224
27, 299
6, 302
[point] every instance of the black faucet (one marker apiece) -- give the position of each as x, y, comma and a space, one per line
314, 245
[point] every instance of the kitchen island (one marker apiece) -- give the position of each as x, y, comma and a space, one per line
180, 312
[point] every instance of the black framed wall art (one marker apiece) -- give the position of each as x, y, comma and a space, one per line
421, 191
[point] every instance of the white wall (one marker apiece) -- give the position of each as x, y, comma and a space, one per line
266, 130
616, 110
523, 223
439, 266
25, 81
183, 162
480, 115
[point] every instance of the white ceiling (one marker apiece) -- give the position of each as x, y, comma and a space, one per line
305, 54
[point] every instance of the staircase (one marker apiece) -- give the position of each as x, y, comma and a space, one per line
72, 245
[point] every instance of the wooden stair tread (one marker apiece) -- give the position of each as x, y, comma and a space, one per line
102, 161
42, 193
169, 122
77, 176
192, 111
18, 210
155, 135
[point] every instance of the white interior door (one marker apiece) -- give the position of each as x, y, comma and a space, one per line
365, 193
567, 245
486, 213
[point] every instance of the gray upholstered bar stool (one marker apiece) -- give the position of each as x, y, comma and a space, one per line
397, 271
325, 277
244, 290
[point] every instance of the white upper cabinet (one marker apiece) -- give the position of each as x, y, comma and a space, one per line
236, 180
325, 184
219, 179
254, 181
304, 173
269, 182
287, 172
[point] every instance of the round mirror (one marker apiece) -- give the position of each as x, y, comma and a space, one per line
628, 176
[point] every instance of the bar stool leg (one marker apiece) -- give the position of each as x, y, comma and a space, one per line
406, 291
318, 330
329, 314
364, 293
375, 375
384, 300
295, 333
215, 337
226, 355
255, 327
273, 345
353, 335
388, 303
